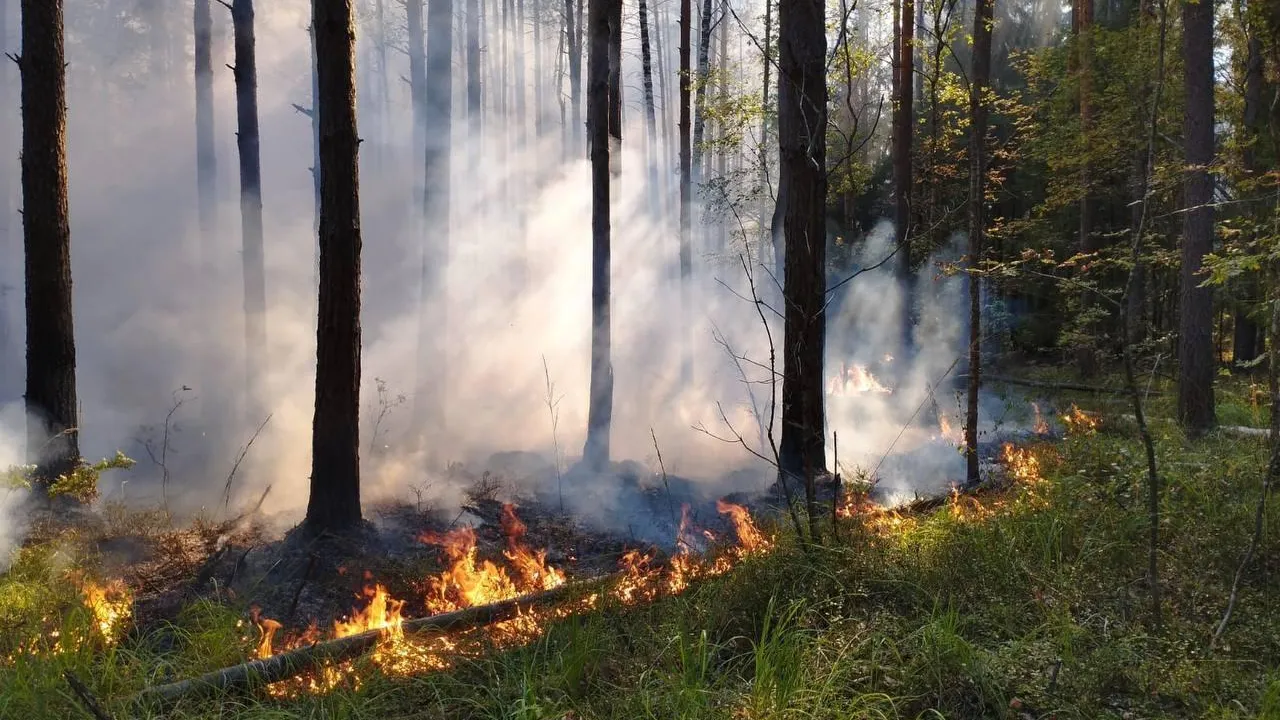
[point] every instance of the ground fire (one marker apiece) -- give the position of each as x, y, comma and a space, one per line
468, 581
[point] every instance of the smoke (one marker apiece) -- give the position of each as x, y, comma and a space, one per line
12, 525
159, 306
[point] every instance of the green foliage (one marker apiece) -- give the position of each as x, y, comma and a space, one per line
80, 484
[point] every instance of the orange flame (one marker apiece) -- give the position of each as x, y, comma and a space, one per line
111, 605
750, 539
1042, 426
1079, 422
855, 379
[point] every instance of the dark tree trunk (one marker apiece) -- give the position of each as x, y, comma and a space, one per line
206, 151
474, 99
802, 122
521, 87
1246, 346
773, 222
686, 185
1195, 326
903, 125
650, 112
414, 22
315, 139
1136, 295
255, 277
600, 412
573, 29
1086, 353
53, 443
615, 87
334, 503
979, 79
539, 82
433, 321
700, 93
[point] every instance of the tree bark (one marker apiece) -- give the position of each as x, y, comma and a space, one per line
334, 503
433, 324
1245, 346
247, 141
802, 122
686, 187
979, 79
206, 151
615, 88
52, 432
1195, 326
903, 127
650, 112
1082, 24
415, 27
600, 411
574, 31
700, 93
474, 98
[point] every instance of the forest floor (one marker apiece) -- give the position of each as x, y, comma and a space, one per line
1028, 602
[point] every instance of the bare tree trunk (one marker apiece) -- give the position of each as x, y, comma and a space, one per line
1086, 354
474, 98
539, 82
414, 23
1245, 346
206, 152
700, 94
315, 140
650, 116
802, 122
660, 27
615, 88
521, 87
686, 187
433, 325
722, 67
334, 503
903, 127
600, 412
980, 78
1195, 328
53, 428
765, 138
255, 278
574, 32
384, 83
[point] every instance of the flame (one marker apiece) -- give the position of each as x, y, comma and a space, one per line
1042, 426
1022, 464
750, 539
855, 379
1079, 422
468, 581
949, 432
111, 605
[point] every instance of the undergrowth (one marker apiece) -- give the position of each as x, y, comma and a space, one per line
1036, 611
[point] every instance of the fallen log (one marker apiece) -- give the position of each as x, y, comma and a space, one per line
1055, 386
259, 673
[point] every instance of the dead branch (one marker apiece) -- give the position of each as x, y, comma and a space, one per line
226, 491
259, 673
1258, 519
86, 698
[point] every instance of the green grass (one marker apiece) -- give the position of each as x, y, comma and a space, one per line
1040, 609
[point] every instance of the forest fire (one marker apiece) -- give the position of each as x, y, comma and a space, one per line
1041, 426
111, 605
470, 582
1079, 422
949, 432
855, 379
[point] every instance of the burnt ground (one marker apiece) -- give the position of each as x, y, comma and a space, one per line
298, 579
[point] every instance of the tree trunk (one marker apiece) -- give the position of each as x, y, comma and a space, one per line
903, 125
206, 152
1082, 23
1246, 347
766, 217
722, 68
700, 94
474, 99
334, 504
315, 141
686, 188
979, 80
255, 278
433, 328
417, 89
520, 88
615, 87
539, 82
572, 21
650, 112
53, 427
600, 412
802, 122
1195, 326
